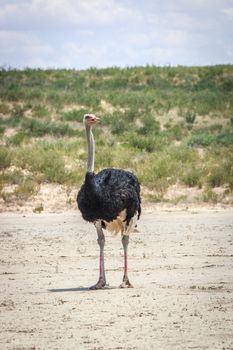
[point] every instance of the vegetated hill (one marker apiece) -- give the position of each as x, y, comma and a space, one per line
172, 126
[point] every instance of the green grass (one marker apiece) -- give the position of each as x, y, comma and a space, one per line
38, 128
74, 115
206, 139
169, 125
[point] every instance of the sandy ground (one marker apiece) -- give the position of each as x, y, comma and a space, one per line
180, 265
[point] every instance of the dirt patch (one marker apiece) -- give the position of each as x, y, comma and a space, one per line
107, 107
9, 132
73, 107
51, 198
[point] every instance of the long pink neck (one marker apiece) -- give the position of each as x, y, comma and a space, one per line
91, 149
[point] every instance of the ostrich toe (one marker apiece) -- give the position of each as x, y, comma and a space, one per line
99, 285
126, 284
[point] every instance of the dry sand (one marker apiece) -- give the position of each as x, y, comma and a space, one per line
180, 264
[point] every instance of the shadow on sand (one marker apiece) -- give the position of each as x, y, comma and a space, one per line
79, 289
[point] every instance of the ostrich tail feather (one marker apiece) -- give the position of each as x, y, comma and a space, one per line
119, 224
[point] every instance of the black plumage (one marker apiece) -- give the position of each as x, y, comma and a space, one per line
105, 194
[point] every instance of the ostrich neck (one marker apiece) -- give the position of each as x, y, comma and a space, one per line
91, 149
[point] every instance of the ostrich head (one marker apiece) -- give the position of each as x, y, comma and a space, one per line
90, 119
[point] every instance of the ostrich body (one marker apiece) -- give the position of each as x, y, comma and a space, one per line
111, 200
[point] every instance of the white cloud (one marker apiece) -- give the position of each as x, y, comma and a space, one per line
22, 46
83, 33
41, 14
228, 12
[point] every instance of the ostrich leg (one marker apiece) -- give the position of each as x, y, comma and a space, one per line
101, 241
126, 283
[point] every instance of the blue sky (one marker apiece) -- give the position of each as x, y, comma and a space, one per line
103, 33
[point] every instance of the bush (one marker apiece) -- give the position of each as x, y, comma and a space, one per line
209, 196
190, 117
2, 130
53, 167
192, 178
74, 115
40, 111
48, 164
150, 126
5, 157
40, 128
17, 139
15, 177
26, 190
4, 108
209, 139
143, 142
220, 175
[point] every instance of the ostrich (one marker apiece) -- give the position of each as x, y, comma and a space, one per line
111, 200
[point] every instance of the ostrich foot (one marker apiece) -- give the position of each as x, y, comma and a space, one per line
99, 285
126, 284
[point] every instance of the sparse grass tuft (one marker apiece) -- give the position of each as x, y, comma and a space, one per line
209, 196
38, 209
190, 117
27, 189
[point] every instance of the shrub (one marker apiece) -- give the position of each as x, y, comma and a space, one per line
216, 178
15, 177
226, 139
40, 111
2, 130
40, 128
51, 164
208, 139
220, 174
142, 142
192, 178
17, 139
150, 126
5, 157
190, 117
27, 189
118, 126
209, 196
4, 108
12, 122
74, 115
47, 164
178, 132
